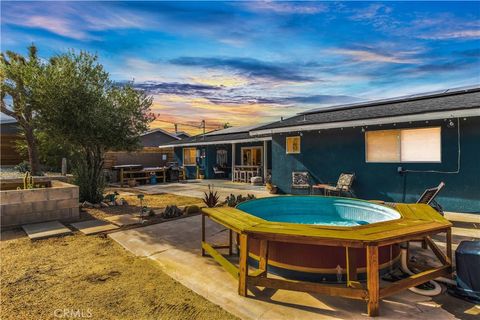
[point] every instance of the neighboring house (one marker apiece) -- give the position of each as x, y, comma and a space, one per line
9, 134
396, 147
220, 148
150, 155
182, 134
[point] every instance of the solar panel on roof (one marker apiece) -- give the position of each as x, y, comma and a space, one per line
422, 95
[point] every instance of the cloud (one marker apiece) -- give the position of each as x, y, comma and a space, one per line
459, 34
373, 11
77, 21
248, 67
369, 55
322, 99
176, 88
286, 7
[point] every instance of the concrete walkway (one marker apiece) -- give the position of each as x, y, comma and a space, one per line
175, 246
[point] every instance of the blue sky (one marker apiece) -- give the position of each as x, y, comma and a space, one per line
249, 62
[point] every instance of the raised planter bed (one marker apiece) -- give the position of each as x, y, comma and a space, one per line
56, 201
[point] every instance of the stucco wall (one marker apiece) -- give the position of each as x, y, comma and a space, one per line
328, 153
60, 202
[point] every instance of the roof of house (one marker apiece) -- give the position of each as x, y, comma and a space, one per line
456, 102
224, 136
182, 134
162, 131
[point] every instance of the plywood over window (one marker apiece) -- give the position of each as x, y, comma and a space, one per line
293, 144
189, 156
404, 145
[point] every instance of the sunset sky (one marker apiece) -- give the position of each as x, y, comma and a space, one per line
250, 62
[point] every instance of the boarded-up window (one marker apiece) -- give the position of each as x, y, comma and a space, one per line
383, 146
293, 144
421, 145
404, 145
189, 156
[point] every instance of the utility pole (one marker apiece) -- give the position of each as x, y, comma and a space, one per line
176, 128
203, 127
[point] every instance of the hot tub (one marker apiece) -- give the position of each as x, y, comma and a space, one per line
317, 262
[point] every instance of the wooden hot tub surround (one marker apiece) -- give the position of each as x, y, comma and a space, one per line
418, 221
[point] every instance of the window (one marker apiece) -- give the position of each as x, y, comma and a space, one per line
404, 145
293, 144
222, 157
189, 156
252, 156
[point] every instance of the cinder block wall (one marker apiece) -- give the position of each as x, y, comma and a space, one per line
60, 202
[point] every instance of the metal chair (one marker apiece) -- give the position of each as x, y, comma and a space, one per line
344, 185
428, 197
301, 180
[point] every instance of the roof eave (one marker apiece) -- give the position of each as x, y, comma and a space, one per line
472, 112
205, 143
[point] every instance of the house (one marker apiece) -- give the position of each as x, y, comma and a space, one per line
149, 155
227, 149
10, 133
396, 147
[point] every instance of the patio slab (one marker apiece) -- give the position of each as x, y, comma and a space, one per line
175, 246
196, 188
93, 226
123, 219
37, 231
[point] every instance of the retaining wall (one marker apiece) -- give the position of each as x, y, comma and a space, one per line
59, 202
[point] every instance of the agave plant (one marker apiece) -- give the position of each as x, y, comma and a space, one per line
211, 198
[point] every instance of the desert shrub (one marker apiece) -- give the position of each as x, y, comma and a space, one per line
192, 209
22, 167
172, 212
233, 201
211, 198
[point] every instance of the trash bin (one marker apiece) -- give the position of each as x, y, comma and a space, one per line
153, 178
467, 257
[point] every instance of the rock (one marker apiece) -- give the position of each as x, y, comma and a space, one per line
119, 202
87, 204
104, 205
97, 206
124, 202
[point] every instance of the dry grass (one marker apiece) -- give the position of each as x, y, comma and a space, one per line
91, 274
151, 201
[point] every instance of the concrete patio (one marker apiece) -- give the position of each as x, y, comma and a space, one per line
196, 188
175, 246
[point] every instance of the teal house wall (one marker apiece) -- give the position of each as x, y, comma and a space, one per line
328, 153
210, 160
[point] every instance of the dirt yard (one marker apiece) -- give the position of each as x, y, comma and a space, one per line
155, 202
93, 277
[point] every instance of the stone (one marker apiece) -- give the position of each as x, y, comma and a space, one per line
123, 219
36, 231
93, 226
104, 205
87, 204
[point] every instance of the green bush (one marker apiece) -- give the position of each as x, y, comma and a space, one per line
192, 209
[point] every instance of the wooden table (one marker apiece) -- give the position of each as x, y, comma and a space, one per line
417, 221
138, 173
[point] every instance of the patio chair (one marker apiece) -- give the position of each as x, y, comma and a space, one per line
301, 180
428, 197
219, 171
343, 186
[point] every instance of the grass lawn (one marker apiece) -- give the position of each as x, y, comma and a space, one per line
95, 275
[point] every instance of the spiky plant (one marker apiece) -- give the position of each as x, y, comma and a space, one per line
211, 198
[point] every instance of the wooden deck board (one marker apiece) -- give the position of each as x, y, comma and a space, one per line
415, 219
